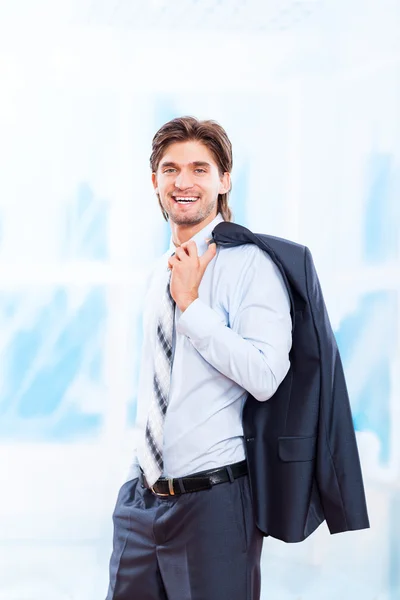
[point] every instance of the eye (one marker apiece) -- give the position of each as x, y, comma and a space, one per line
200, 170
169, 170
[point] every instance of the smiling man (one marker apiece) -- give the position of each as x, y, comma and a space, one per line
188, 183
216, 326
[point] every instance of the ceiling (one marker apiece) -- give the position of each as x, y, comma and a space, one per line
182, 15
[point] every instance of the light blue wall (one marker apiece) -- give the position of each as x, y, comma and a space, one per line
311, 103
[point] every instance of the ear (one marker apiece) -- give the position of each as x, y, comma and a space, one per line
154, 182
225, 183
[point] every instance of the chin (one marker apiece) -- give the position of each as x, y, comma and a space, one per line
186, 220
192, 219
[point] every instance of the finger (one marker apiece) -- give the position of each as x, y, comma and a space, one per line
190, 248
181, 253
208, 255
172, 261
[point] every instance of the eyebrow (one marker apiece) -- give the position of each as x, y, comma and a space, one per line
196, 163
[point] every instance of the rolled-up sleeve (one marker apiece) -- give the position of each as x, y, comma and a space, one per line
253, 350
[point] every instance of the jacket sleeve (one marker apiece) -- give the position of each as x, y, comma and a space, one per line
338, 469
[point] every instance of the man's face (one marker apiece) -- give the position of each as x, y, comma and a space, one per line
188, 183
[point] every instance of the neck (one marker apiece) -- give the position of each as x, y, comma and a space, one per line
183, 233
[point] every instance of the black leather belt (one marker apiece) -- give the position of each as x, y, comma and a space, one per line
203, 480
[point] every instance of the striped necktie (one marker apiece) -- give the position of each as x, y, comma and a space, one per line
154, 437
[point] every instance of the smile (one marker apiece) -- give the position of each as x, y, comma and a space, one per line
185, 199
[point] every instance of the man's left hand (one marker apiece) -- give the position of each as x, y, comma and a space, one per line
187, 272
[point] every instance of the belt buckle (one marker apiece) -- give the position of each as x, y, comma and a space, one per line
170, 488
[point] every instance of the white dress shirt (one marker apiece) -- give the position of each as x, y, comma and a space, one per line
235, 338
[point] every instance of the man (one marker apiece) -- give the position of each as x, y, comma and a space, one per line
217, 325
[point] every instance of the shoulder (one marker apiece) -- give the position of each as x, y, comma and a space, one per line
248, 258
156, 269
247, 268
243, 253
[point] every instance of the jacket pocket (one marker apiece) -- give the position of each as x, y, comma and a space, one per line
297, 448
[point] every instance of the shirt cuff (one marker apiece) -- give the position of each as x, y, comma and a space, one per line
198, 321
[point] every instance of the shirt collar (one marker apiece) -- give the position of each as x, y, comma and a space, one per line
200, 237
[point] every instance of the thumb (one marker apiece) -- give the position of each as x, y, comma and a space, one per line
207, 257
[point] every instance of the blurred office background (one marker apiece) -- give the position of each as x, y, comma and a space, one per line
309, 92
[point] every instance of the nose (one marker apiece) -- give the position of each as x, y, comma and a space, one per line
184, 180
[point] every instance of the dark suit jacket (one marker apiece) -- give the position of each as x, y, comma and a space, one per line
301, 447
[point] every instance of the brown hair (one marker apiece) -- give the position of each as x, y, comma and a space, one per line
209, 133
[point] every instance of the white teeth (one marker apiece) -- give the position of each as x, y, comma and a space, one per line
181, 199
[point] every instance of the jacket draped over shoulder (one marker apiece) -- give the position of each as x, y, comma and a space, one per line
301, 447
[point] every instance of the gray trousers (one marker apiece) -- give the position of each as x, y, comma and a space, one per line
197, 546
